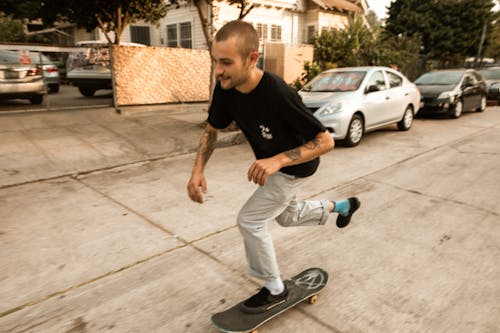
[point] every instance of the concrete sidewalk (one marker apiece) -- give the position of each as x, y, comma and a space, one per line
97, 233
44, 145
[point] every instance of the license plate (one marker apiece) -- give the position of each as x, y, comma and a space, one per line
11, 75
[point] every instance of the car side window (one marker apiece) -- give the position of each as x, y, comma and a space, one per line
469, 80
394, 80
377, 79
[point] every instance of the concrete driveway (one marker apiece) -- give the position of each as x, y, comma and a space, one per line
97, 233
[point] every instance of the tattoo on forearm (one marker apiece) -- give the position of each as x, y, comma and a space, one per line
207, 145
313, 144
294, 154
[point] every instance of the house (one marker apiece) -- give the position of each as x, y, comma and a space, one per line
292, 22
284, 27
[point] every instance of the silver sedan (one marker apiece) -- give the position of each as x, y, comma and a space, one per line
352, 101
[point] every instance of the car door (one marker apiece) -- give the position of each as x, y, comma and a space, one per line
375, 100
470, 92
398, 96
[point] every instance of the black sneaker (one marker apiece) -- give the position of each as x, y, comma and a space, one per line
343, 221
263, 301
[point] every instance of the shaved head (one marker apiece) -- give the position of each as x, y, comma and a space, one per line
247, 40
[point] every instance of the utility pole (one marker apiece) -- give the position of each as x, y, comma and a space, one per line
480, 49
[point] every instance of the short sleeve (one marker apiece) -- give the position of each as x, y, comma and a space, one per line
299, 118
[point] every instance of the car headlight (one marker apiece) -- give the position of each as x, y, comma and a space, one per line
331, 108
451, 95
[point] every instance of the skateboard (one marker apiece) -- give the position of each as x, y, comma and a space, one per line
305, 285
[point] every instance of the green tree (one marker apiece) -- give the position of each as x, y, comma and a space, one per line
11, 30
111, 16
351, 46
450, 30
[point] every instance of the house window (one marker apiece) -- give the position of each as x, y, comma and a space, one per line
311, 32
140, 35
179, 35
185, 35
275, 33
172, 35
262, 31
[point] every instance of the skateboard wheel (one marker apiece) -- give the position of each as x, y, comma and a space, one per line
255, 331
313, 299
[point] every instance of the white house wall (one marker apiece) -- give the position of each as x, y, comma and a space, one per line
331, 21
289, 21
185, 13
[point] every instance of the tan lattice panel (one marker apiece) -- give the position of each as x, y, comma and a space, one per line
156, 75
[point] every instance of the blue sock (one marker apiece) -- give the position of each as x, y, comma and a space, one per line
342, 207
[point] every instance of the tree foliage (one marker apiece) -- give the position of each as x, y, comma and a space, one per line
111, 16
450, 29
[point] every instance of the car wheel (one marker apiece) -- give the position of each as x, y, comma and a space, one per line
36, 99
407, 121
482, 106
457, 110
355, 132
88, 92
53, 88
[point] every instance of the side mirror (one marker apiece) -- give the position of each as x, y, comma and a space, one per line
372, 88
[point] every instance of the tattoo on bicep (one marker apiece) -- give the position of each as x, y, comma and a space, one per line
294, 154
207, 145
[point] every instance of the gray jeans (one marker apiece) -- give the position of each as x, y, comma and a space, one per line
275, 201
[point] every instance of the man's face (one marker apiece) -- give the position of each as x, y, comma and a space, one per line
232, 71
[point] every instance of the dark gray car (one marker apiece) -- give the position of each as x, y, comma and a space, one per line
450, 92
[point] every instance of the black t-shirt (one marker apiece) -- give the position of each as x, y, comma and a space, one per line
272, 117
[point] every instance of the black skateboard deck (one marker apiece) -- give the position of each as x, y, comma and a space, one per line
305, 285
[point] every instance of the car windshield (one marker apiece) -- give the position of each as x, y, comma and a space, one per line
336, 81
490, 74
9, 57
38, 58
439, 78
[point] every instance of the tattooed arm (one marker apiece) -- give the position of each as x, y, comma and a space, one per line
262, 169
197, 183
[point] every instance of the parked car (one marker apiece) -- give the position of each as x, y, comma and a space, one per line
491, 76
450, 92
90, 70
20, 80
50, 71
352, 101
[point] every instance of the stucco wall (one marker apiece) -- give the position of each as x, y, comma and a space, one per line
287, 61
156, 75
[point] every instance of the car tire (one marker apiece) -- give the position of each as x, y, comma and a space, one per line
407, 121
457, 110
53, 88
36, 99
483, 104
355, 131
87, 92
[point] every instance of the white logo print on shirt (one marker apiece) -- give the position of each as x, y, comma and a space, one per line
266, 133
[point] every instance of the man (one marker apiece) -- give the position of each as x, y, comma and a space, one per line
287, 141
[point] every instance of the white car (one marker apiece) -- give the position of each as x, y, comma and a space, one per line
354, 100
90, 70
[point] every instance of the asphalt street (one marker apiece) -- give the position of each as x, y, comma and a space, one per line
97, 233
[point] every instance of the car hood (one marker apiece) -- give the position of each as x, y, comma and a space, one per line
317, 99
434, 90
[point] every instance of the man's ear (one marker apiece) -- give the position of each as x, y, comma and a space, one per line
253, 56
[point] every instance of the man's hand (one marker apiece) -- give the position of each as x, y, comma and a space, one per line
197, 184
262, 169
